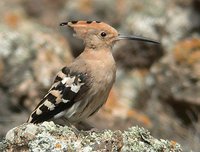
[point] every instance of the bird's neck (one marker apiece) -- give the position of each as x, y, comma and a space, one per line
97, 54
101, 59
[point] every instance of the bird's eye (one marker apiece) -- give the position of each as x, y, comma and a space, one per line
103, 34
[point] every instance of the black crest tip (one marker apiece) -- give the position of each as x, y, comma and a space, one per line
63, 23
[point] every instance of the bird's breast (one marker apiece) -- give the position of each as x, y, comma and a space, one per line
104, 74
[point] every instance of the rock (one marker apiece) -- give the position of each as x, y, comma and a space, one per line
48, 136
52, 8
164, 20
177, 76
172, 97
30, 57
37, 55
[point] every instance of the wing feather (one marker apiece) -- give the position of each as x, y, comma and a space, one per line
67, 88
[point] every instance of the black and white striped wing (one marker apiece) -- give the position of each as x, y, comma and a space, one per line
68, 88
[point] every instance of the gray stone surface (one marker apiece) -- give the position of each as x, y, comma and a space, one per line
51, 137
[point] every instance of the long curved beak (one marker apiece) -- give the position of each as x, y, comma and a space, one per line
137, 38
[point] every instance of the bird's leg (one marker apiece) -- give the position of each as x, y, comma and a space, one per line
85, 126
75, 130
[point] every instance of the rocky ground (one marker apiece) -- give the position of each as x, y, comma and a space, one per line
157, 87
50, 137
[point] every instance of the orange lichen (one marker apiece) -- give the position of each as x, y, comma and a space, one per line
142, 118
173, 143
194, 57
58, 146
114, 108
111, 101
12, 19
187, 51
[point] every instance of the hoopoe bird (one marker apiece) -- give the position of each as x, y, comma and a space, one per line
81, 88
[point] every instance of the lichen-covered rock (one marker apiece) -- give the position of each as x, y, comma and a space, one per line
168, 20
30, 57
177, 76
51, 137
173, 97
21, 55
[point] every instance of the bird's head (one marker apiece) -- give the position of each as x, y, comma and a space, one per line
97, 34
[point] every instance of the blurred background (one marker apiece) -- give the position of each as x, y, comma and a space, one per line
157, 87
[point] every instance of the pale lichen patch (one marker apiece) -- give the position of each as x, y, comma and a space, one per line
51, 137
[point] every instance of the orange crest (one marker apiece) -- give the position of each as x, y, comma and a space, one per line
82, 27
